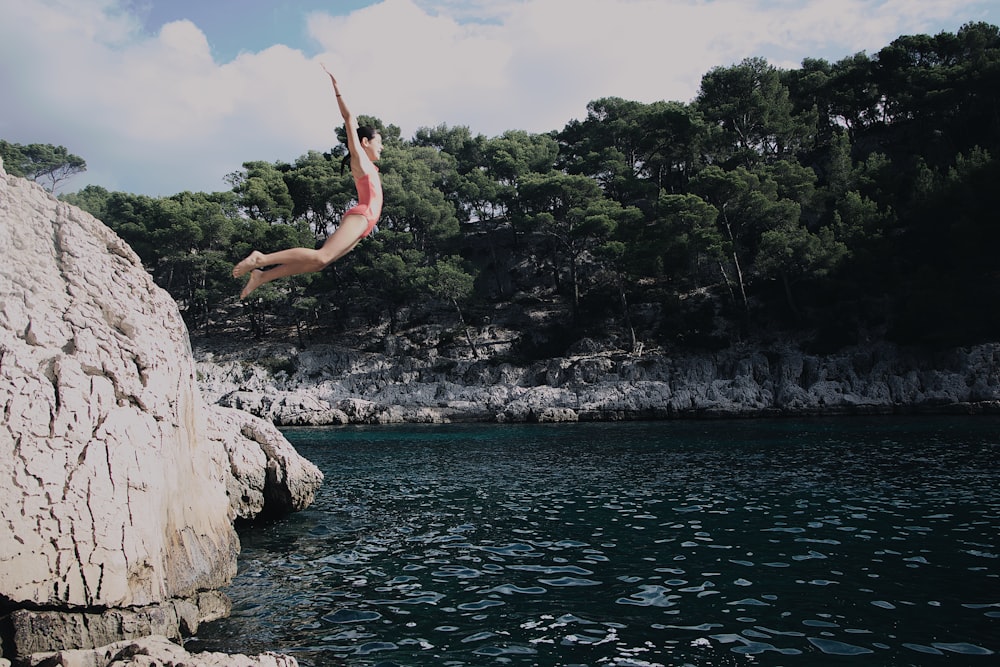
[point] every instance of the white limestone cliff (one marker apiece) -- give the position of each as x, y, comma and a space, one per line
118, 483
103, 446
153, 651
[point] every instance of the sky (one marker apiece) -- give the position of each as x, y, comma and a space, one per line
165, 96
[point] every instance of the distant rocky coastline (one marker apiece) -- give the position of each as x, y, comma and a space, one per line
326, 384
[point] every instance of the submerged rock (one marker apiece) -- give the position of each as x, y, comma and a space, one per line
118, 483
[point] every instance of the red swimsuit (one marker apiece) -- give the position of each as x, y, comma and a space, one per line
369, 201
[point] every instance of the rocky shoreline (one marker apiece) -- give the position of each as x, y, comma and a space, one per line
333, 385
152, 651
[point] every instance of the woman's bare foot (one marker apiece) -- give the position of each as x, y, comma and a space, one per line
255, 281
252, 261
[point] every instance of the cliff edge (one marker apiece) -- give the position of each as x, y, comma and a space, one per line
118, 483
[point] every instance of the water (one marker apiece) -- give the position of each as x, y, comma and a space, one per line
822, 542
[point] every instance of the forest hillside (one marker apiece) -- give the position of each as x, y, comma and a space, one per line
831, 204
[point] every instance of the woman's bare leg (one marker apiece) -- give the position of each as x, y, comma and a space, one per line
295, 261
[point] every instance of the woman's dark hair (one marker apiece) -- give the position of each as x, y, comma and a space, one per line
364, 132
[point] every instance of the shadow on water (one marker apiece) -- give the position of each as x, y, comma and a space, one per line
793, 542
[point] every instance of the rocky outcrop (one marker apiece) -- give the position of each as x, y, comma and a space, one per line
326, 384
266, 475
118, 483
112, 495
51, 631
154, 651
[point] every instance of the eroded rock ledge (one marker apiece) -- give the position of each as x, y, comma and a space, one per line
327, 384
52, 631
153, 651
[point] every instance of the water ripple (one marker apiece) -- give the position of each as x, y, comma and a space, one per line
631, 545
832, 647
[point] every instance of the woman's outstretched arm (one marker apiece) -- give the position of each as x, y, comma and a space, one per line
354, 146
349, 120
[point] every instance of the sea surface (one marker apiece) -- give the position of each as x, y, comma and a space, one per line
842, 541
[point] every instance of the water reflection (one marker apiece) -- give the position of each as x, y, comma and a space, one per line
873, 541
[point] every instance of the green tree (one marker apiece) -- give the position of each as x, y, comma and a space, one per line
396, 279
193, 233
511, 157
261, 191
749, 204
680, 242
674, 140
414, 206
843, 95
792, 253
13, 158
571, 211
632, 149
608, 146
93, 199
48, 164
450, 281
797, 183
858, 221
516, 153
131, 217
320, 191
613, 254
752, 106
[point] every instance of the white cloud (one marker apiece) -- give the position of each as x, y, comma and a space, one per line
155, 113
396, 62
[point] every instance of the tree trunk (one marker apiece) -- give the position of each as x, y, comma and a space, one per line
739, 281
729, 282
623, 298
736, 262
789, 296
298, 332
465, 327
575, 285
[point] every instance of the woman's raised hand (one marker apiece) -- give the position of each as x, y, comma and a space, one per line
328, 72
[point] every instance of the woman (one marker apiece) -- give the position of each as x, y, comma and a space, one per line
365, 147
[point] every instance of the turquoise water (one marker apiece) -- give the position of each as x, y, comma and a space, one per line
849, 541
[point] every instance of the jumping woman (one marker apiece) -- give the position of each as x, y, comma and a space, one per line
365, 147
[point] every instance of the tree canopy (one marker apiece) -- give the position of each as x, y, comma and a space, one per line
48, 164
836, 200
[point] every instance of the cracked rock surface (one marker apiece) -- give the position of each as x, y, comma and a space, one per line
111, 494
118, 484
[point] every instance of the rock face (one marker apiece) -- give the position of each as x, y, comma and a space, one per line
153, 651
118, 484
325, 384
266, 474
37, 632
101, 415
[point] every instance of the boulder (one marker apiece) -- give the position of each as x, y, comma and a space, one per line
266, 475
